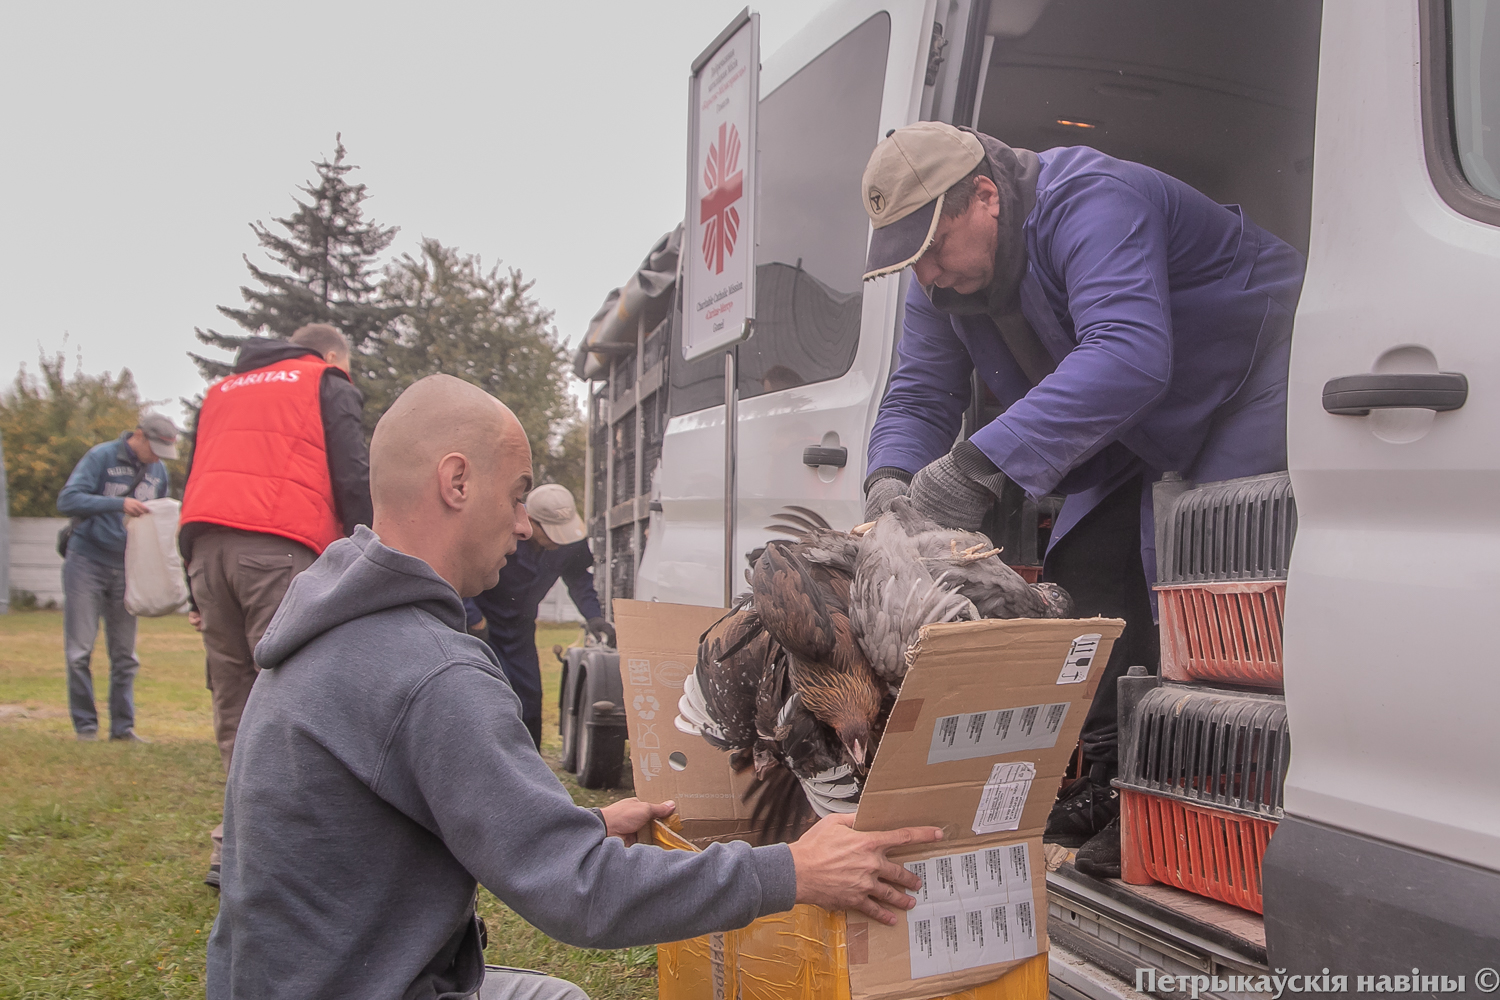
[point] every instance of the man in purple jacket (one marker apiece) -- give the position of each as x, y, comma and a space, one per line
1130, 327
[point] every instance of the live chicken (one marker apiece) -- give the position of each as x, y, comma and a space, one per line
798, 678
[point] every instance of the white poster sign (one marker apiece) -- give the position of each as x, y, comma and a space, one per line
718, 304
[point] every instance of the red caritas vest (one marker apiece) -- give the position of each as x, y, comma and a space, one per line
260, 463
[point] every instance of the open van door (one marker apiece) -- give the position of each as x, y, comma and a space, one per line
812, 373
1389, 858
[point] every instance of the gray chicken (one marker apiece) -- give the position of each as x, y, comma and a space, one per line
913, 572
894, 594
974, 566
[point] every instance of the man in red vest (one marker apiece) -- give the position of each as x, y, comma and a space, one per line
280, 471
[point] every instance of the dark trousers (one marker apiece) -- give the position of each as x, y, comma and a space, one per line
514, 643
1099, 563
238, 580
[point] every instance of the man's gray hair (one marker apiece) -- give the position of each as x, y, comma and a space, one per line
961, 193
321, 337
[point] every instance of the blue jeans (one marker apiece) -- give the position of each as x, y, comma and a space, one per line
92, 590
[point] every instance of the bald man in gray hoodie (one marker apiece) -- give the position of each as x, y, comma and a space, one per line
382, 767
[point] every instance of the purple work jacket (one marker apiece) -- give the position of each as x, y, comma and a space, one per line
1169, 316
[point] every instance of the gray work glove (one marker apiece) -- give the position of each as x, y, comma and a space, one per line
957, 490
880, 493
601, 630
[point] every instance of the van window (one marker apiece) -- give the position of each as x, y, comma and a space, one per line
816, 133
1474, 41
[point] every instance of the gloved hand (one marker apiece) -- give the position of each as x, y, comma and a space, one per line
601, 630
880, 493
956, 490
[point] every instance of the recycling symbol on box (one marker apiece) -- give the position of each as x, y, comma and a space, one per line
646, 705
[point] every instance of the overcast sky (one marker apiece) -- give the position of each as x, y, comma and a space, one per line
140, 140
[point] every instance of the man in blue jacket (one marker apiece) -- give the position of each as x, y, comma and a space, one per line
1130, 327
107, 486
505, 615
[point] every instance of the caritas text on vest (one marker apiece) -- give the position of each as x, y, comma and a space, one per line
255, 378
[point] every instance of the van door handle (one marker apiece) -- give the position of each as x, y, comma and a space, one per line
816, 455
1357, 395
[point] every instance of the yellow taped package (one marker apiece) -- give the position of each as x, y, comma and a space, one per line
802, 954
978, 740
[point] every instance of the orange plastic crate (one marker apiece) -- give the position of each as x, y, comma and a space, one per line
1031, 574
1206, 851
1226, 632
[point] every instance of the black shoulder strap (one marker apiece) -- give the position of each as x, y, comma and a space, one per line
140, 475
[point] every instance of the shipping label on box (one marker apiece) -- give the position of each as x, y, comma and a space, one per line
974, 909
977, 743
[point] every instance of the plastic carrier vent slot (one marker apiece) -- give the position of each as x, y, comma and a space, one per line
1201, 779
1238, 529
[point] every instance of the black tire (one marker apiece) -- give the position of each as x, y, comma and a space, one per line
601, 755
569, 723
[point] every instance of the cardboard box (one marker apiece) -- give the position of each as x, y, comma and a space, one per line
802, 953
977, 743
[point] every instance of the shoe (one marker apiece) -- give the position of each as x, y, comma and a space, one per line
128, 736
1100, 857
212, 878
87, 735
1085, 809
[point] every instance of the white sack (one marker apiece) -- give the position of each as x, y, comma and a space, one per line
154, 581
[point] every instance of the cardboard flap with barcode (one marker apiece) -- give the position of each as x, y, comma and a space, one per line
980, 736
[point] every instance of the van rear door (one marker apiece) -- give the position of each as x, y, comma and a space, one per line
1389, 855
812, 373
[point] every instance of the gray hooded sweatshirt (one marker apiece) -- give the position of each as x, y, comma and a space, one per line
381, 768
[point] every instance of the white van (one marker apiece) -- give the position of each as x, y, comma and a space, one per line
1366, 133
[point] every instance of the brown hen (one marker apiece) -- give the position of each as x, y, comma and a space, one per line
801, 591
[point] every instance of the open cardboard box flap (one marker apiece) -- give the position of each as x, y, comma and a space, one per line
988, 715
982, 697
658, 646
979, 738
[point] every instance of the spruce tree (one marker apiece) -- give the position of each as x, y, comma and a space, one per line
327, 255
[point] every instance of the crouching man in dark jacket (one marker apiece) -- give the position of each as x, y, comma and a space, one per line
505, 615
382, 767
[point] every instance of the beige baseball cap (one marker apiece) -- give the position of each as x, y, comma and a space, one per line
904, 184
552, 508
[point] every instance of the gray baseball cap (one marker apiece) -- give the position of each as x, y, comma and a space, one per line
904, 183
161, 435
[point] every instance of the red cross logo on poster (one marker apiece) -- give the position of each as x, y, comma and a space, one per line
718, 241
725, 185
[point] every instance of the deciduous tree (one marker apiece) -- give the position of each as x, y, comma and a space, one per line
453, 315
49, 420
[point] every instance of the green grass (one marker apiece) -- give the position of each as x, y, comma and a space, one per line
103, 846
